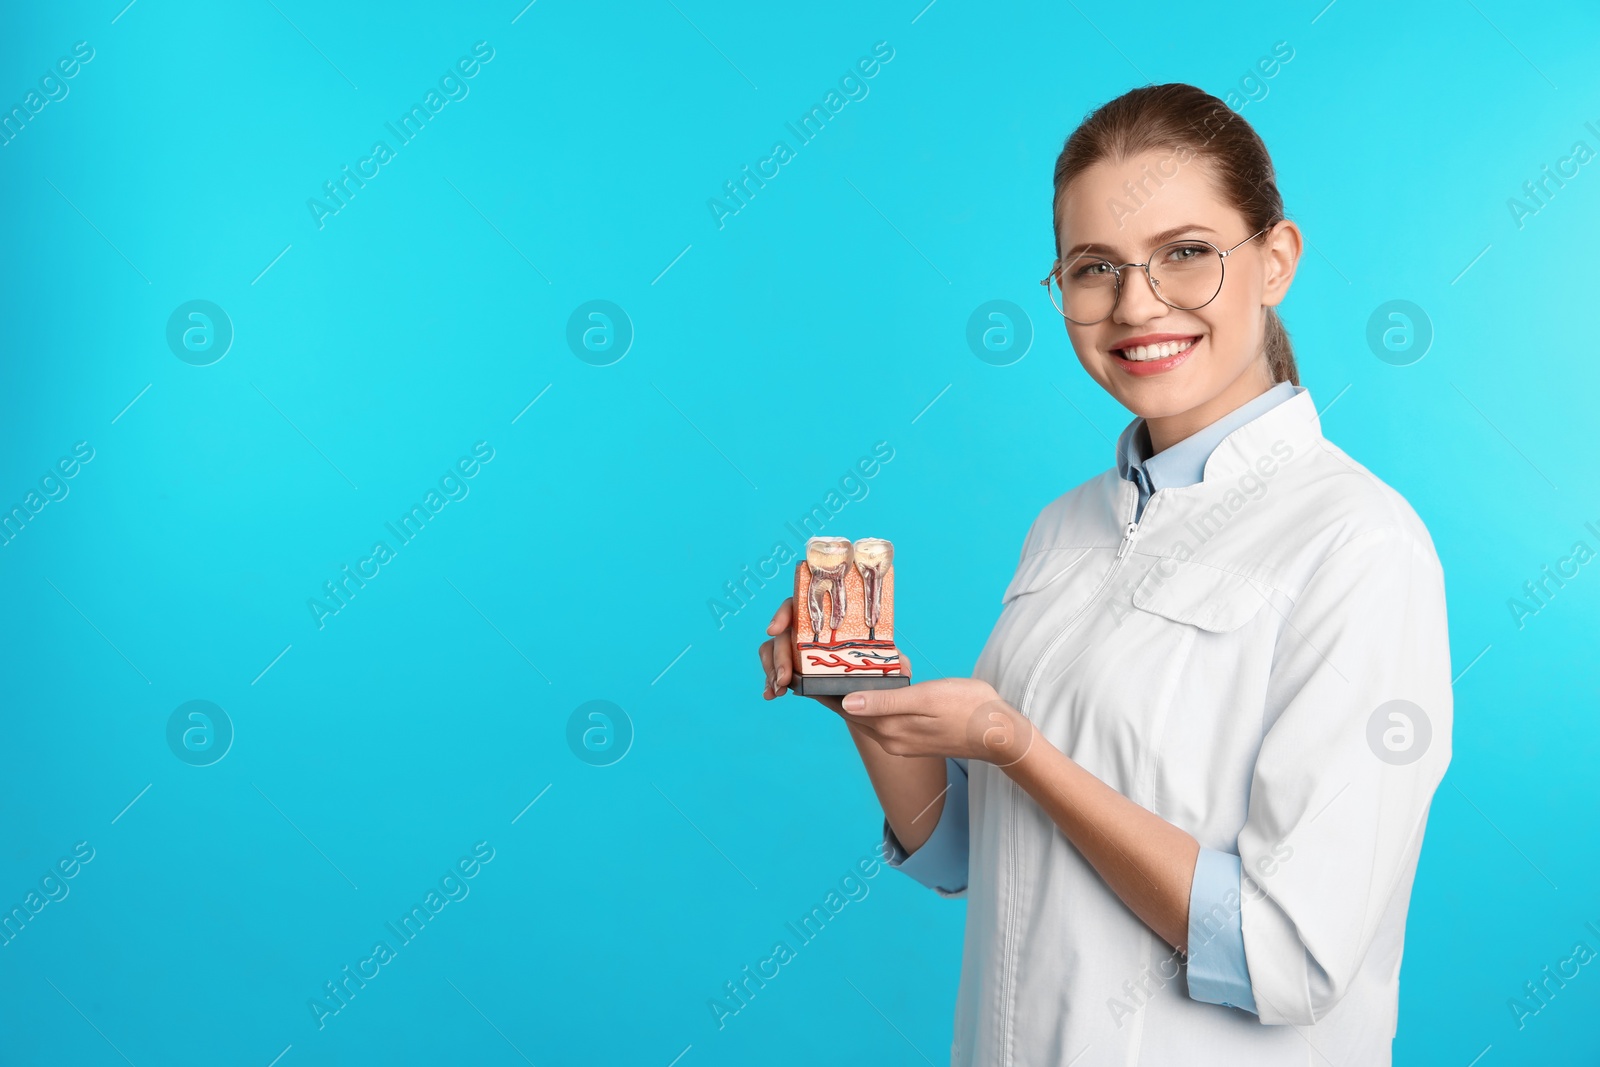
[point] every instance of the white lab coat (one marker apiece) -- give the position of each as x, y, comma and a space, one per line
1220, 663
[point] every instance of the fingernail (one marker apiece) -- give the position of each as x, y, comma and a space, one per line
854, 702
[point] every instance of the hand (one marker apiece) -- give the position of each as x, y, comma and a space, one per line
962, 718
777, 659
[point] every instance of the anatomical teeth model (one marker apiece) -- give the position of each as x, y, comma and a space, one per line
844, 639
829, 559
873, 558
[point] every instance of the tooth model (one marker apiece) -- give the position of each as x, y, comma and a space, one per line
844, 638
873, 558
829, 560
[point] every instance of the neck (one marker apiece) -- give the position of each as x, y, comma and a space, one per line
1167, 430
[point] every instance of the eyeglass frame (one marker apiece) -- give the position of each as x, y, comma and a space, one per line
1154, 288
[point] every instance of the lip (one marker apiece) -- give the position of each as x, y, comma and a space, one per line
1156, 366
1150, 339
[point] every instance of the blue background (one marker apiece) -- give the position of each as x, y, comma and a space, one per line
769, 355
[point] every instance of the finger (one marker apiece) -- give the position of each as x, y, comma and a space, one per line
832, 704
765, 652
782, 617
782, 663
905, 664
877, 702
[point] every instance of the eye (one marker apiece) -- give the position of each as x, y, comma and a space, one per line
1094, 268
1187, 253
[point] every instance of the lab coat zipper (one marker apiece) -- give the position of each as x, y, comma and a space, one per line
1129, 532
1127, 539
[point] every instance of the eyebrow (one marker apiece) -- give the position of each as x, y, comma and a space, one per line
1156, 241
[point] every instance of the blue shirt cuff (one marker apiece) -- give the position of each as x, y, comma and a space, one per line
1217, 970
941, 861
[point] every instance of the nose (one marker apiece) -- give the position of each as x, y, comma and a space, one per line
1136, 299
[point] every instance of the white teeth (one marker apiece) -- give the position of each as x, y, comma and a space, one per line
1160, 351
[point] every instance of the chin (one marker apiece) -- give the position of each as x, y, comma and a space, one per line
1152, 398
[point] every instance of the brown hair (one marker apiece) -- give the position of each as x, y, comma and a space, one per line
1182, 117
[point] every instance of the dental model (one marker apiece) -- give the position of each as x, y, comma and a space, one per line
829, 559
873, 558
844, 638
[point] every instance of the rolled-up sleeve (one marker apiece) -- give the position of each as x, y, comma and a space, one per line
1356, 740
941, 861
1218, 972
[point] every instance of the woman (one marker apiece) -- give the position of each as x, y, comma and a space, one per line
1185, 790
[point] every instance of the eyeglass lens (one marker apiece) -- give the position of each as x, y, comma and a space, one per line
1185, 274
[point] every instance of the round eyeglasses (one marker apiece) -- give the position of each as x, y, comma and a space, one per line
1185, 274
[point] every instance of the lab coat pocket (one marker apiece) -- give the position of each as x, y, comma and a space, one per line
1047, 586
1198, 594
1041, 569
1202, 724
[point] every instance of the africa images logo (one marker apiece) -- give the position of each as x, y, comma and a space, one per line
453, 887
452, 87
737, 193
337, 595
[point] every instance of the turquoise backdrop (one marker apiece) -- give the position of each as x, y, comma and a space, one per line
579, 393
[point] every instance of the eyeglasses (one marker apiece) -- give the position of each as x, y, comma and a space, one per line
1184, 274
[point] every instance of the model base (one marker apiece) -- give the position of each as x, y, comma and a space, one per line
837, 685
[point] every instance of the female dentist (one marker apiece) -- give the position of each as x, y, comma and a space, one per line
1184, 791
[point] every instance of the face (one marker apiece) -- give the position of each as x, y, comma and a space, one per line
1216, 361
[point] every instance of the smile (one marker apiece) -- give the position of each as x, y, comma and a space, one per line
1145, 360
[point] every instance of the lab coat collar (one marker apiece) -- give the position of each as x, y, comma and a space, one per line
1185, 462
1294, 423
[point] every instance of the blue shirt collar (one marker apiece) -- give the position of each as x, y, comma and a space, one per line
1185, 462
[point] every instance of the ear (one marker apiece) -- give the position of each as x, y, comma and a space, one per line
1282, 257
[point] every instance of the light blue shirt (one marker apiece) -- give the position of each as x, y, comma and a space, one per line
1216, 965
1185, 462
